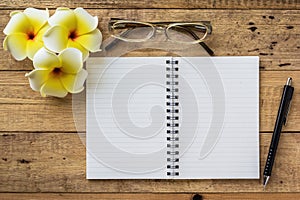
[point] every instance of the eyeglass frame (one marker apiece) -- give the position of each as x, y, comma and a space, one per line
167, 25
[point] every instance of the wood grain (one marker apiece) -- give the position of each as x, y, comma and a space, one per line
228, 4
25, 110
271, 34
55, 162
41, 152
149, 196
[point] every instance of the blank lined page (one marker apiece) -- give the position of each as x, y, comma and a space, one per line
219, 117
125, 101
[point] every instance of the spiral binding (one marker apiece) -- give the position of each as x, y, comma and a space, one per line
172, 110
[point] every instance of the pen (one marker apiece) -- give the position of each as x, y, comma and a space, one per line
281, 119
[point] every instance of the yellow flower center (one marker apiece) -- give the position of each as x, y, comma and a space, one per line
73, 35
56, 72
30, 36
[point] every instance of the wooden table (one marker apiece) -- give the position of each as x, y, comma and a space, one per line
42, 157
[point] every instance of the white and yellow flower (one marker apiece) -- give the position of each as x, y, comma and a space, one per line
56, 75
73, 28
24, 32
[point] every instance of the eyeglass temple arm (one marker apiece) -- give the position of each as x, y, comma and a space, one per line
209, 50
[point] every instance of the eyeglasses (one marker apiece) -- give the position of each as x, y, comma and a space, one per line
180, 32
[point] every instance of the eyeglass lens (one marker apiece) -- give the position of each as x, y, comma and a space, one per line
132, 31
187, 33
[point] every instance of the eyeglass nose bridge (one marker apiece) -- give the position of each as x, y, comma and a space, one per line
159, 29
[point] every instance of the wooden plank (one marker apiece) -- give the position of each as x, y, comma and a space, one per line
228, 4
150, 196
55, 162
25, 110
271, 34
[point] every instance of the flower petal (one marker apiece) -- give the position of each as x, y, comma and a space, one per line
85, 22
19, 23
38, 18
63, 17
16, 44
42, 31
71, 60
91, 41
53, 87
74, 83
84, 51
44, 59
56, 38
32, 47
14, 13
37, 78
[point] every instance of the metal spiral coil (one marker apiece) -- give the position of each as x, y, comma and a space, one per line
172, 110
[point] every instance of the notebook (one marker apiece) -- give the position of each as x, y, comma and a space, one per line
172, 118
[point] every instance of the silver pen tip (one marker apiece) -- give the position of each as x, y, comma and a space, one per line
289, 81
266, 179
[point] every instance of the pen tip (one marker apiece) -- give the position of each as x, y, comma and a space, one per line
266, 179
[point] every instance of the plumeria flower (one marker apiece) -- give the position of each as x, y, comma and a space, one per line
56, 75
24, 32
73, 28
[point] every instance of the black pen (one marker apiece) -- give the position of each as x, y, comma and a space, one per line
281, 119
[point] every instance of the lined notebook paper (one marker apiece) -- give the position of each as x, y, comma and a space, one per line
172, 118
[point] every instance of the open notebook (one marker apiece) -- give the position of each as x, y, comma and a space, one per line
172, 118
